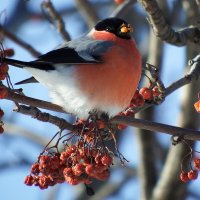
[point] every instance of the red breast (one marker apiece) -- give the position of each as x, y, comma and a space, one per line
113, 82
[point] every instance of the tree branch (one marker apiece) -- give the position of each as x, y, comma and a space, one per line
20, 42
152, 126
157, 127
122, 8
191, 76
88, 12
44, 117
55, 18
162, 29
19, 98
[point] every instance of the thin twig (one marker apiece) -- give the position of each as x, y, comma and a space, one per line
163, 30
123, 8
20, 42
55, 19
88, 12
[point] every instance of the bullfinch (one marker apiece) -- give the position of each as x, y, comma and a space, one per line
98, 72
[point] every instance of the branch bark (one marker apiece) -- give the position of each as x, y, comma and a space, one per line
184, 133
56, 19
163, 30
20, 42
88, 12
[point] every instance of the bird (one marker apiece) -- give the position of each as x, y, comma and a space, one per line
98, 72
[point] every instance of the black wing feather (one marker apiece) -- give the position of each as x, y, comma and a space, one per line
65, 55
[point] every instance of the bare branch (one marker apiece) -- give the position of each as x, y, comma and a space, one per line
122, 8
193, 75
88, 12
162, 29
20, 42
55, 18
158, 127
19, 98
44, 117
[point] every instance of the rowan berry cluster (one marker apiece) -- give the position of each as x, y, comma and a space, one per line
193, 173
140, 97
82, 162
77, 164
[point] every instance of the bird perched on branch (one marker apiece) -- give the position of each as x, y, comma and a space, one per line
98, 72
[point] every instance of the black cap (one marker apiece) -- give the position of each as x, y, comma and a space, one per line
114, 25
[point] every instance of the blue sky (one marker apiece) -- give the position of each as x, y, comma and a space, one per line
44, 38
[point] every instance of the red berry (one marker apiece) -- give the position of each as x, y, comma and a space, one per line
146, 93
137, 100
192, 174
9, 52
3, 93
89, 169
156, 91
35, 168
184, 177
119, 1
98, 159
72, 180
121, 126
4, 68
68, 172
29, 180
2, 76
197, 163
106, 160
78, 169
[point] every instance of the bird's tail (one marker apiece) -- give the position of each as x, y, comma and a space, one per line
16, 63
20, 64
37, 64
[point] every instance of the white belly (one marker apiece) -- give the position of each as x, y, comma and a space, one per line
65, 92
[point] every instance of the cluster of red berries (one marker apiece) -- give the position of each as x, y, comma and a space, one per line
1, 123
144, 94
4, 66
141, 96
192, 174
77, 164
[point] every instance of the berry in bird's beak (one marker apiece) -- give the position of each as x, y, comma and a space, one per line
126, 28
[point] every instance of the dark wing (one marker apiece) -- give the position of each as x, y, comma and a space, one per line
65, 55
80, 51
